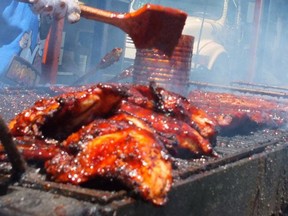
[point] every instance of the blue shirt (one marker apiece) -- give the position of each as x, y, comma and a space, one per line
18, 32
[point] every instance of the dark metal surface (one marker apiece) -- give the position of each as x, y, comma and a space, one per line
239, 183
252, 91
15, 99
28, 202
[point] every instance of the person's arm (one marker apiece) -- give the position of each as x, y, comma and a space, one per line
58, 8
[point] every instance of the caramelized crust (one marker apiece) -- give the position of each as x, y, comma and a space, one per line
182, 109
235, 113
132, 156
179, 138
58, 117
118, 131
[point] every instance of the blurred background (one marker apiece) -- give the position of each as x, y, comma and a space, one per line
234, 41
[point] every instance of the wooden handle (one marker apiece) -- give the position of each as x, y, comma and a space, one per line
95, 14
113, 18
98, 14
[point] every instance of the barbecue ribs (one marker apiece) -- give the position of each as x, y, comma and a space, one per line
122, 131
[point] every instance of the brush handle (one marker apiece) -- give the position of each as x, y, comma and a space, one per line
96, 14
112, 18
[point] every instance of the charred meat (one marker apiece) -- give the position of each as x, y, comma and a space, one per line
115, 149
120, 131
240, 113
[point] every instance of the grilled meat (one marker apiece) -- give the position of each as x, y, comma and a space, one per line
179, 138
34, 149
59, 116
233, 112
116, 149
181, 108
171, 104
114, 131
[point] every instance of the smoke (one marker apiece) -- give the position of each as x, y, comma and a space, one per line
238, 41
273, 46
264, 44
254, 39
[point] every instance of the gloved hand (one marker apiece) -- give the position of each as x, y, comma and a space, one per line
58, 8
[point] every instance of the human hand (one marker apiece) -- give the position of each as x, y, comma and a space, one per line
25, 41
58, 8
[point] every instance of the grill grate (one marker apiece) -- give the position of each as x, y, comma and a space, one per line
256, 90
231, 150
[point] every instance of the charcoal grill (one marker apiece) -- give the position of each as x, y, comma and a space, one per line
250, 178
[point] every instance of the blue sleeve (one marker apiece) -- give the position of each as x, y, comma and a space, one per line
16, 19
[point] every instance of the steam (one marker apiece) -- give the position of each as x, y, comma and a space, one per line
242, 41
254, 38
273, 56
261, 53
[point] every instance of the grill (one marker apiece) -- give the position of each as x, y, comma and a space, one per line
249, 178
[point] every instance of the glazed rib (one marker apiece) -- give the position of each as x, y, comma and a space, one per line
232, 112
121, 152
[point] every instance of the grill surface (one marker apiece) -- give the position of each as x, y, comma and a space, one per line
249, 178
